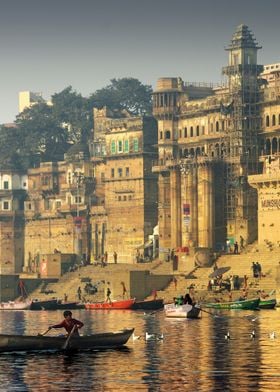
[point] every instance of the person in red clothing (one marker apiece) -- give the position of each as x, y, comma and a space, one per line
68, 323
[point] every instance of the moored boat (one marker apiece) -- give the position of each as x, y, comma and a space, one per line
48, 304
14, 305
39, 343
121, 304
153, 304
267, 303
69, 305
182, 311
248, 304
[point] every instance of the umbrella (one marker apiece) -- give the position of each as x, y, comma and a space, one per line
219, 271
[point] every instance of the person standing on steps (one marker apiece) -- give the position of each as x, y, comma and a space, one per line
115, 257
79, 293
241, 243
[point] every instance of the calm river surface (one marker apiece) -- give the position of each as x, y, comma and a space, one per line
193, 355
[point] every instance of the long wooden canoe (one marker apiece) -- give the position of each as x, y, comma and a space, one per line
47, 304
267, 303
153, 304
249, 304
181, 311
39, 343
122, 304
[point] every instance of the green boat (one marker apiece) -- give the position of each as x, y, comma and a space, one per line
267, 303
248, 304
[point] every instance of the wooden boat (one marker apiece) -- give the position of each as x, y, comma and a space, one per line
122, 304
61, 305
14, 305
48, 304
248, 304
267, 303
182, 311
38, 343
153, 304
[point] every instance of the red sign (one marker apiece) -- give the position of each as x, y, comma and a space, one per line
78, 221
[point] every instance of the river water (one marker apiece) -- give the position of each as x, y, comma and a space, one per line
193, 355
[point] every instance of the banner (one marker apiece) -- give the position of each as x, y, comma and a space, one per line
186, 209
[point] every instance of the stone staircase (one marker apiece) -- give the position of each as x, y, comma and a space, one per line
268, 256
68, 284
241, 264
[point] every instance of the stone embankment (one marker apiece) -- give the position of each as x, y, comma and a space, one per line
98, 276
240, 264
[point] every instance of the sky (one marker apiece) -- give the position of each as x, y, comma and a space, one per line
49, 45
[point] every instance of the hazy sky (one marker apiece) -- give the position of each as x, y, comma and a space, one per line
49, 45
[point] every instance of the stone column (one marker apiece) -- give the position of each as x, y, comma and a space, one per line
194, 207
175, 199
205, 206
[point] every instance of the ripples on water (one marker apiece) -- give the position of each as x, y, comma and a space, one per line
193, 356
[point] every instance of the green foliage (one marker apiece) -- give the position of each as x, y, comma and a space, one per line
45, 132
126, 93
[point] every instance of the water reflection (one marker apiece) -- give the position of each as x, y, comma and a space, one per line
193, 356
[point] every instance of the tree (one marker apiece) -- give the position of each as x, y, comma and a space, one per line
74, 113
125, 93
41, 134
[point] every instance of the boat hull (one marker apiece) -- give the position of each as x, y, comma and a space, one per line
49, 304
181, 311
9, 343
69, 305
11, 305
267, 304
153, 304
251, 304
124, 304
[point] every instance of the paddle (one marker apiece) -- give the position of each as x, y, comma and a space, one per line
214, 315
65, 345
44, 333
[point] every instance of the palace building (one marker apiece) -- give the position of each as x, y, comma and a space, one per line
210, 139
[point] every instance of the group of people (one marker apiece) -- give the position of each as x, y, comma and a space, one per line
236, 247
187, 299
257, 269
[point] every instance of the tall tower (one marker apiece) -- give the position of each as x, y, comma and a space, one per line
244, 124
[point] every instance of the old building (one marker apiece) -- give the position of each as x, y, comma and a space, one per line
56, 209
208, 145
13, 188
123, 150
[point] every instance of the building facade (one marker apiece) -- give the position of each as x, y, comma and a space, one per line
123, 150
209, 140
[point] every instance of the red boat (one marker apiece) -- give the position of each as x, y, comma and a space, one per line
122, 304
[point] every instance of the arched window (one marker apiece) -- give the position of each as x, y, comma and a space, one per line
278, 119
217, 126
267, 147
113, 147
167, 135
191, 135
267, 121
126, 145
120, 146
273, 120
160, 135
135, 145
180, 133
274, 146
185, 132
211, 128
197, 130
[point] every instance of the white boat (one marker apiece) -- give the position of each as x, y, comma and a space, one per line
14, 305
181, 311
